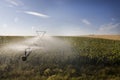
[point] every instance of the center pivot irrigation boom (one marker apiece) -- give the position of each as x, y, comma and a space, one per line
40, 35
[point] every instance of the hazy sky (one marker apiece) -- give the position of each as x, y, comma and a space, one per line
59, 17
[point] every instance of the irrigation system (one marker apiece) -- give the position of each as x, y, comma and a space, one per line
28, 51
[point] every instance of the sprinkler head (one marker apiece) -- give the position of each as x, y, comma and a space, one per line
24, 58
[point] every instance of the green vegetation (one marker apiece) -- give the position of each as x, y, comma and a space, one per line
91, 59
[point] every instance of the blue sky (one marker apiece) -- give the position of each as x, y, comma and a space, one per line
59, 17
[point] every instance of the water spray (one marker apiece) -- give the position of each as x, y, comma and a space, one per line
40, 35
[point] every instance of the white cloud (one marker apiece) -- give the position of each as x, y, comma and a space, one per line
110, 28
16, 19
113, 19
15, 2
36, 14
85, 21
33, 27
